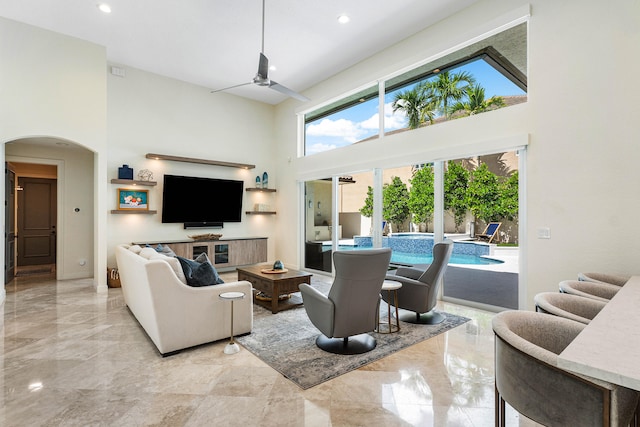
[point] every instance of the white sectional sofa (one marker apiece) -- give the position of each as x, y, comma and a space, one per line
174, 315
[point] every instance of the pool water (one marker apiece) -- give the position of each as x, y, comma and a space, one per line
412, 258
402, 258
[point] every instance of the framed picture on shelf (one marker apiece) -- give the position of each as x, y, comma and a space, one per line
133, 199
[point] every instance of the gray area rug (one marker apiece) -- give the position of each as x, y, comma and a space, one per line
286, 342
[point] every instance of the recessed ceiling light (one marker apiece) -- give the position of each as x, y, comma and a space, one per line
272, 68
104, 7
343, 19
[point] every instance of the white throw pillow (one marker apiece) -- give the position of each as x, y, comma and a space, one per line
135, 249
147, 253
173, 263
177, 268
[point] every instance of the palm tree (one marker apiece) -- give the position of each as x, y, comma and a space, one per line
448, 87
476, 102
417, 104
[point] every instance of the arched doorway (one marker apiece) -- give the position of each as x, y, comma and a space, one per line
68, 169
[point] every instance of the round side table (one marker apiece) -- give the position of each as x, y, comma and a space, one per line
390, 286
232, 347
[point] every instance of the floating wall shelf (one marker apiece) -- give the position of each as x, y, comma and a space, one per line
133, 211
260, 212
201, 161
261, 190
133, 182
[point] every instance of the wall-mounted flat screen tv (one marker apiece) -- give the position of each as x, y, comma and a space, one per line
201, 202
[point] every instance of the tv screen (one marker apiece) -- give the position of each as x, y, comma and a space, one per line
201, 202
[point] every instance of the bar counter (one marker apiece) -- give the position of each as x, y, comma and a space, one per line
609, 347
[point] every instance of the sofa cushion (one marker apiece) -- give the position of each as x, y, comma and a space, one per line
200, 271
135, 249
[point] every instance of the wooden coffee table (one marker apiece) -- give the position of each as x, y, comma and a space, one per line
275, 285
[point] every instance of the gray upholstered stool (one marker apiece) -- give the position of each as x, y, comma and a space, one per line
572, 307
612, 279
599, 291
527, 345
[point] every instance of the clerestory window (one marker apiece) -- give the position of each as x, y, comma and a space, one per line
481, 77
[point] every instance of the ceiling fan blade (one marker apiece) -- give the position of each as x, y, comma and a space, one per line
287, 91
231, 87
263, 66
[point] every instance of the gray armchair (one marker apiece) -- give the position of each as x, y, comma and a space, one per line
419, 292
350, 310
527, 375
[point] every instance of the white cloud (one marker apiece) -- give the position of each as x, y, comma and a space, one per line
319, 148
371, 123
393, 120
346, 129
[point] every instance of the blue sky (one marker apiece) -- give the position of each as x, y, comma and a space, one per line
361, 121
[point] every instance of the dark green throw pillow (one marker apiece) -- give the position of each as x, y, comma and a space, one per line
200, 271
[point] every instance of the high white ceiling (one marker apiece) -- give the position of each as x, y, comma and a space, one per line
216, 43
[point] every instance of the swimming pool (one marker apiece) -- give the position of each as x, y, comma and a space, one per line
416, 248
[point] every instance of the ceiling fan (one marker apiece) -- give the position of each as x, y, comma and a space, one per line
262, 77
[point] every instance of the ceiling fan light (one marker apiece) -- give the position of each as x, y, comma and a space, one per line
104, 7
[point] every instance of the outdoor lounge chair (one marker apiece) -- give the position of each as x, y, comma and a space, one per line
489, 232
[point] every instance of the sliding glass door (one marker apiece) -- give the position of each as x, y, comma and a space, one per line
482, 195
318, 224
336, 216
418, 205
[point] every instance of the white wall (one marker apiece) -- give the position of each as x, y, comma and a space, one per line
58, 86
54, 85
582, 174
148, 113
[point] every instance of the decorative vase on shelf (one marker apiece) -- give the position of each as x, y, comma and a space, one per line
258, 182
145, 175
125, 172
265, 180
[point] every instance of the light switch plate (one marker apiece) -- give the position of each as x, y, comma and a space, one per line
544, 233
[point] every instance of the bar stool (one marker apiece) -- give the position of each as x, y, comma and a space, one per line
570, 306
612, 279
599, 291
527, 375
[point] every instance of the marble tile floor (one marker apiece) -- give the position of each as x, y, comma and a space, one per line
72, 357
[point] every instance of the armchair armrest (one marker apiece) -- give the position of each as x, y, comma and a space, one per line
408, 283
320, 309
410, 272
413, 295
